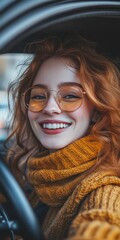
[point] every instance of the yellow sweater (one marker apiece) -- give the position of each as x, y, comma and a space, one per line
82, 205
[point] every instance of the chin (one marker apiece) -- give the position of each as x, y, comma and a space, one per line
54, 147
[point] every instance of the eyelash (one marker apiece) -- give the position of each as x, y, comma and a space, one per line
71, 96
37, 97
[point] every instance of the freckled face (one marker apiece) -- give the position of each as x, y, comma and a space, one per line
54, 127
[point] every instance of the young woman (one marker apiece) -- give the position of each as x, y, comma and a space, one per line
66, 129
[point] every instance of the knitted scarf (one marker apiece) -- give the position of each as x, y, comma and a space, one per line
56, 175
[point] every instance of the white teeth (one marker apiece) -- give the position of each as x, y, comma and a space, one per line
55, 125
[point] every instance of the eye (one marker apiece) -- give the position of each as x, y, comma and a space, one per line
70, 96
38, 97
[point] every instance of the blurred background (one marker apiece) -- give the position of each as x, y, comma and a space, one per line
11, 67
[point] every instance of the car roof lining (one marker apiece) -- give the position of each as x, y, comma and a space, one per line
95, 20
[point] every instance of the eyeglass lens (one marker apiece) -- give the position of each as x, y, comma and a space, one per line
69, 98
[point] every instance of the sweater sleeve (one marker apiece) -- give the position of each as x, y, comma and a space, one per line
99, 216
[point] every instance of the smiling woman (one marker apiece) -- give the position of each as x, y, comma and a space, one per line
65, 133
55, 73
66, 128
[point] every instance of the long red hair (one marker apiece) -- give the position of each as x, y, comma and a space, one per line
100, 79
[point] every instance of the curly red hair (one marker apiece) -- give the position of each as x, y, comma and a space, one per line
100, 79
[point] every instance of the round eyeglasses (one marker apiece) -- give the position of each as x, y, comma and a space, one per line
68, 98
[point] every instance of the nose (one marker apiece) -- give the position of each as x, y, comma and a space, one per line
52, 106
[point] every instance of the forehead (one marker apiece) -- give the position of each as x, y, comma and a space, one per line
55, 71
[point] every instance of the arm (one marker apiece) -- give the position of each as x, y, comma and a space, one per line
99, 216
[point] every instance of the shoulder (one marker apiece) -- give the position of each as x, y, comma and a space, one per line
97, 180
99, 212
104, 197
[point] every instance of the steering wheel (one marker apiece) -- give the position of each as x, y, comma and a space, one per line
26, 225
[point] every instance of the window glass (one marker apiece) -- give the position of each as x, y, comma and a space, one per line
11, 67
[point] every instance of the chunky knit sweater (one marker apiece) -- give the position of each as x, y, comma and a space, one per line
82, 205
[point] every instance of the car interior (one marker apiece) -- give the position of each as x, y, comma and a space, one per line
23, 22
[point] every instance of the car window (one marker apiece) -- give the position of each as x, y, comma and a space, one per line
11, 67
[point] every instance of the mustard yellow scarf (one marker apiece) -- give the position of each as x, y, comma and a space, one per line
55, 176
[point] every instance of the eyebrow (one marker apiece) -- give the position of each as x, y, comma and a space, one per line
40, 85
70, 84
61, 85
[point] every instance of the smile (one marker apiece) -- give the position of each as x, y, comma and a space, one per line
55, 125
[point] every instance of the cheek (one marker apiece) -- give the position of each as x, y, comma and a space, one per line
84, 113
32, 116
88, 108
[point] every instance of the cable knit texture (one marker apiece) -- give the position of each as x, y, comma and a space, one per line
82, 205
